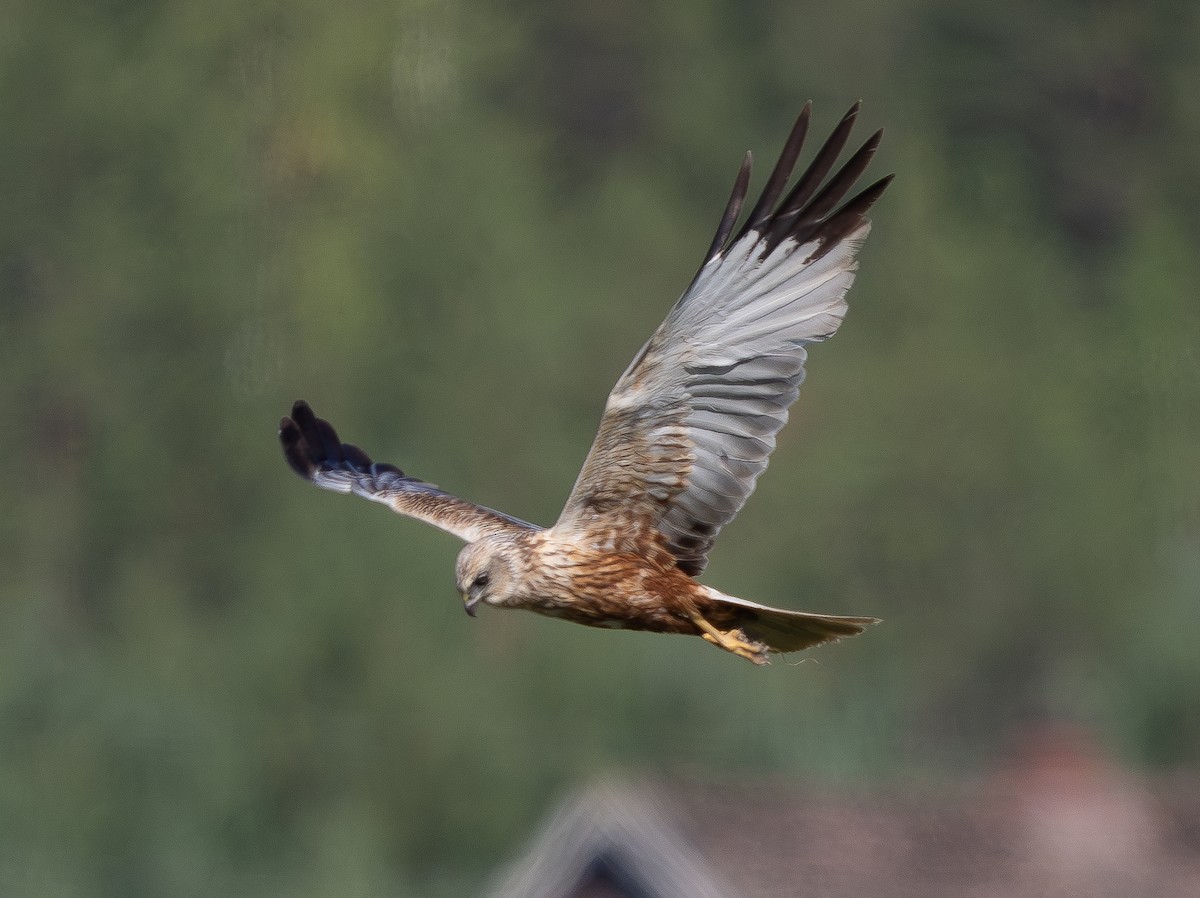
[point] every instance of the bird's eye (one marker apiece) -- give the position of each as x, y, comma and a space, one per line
481, 580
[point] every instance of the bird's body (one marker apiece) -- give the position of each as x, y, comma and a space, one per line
614, 582
685, 434
597, 586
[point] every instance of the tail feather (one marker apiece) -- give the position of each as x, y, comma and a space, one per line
791, 631
785, 631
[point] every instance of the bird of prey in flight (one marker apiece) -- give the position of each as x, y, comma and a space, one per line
685, 434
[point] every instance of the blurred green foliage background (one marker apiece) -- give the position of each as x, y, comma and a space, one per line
449, 226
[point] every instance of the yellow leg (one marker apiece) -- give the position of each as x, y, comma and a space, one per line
734, 641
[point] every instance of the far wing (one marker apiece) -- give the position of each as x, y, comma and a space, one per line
315, 452
690, 425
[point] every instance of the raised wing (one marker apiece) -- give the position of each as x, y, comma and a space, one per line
690, 425
315, 452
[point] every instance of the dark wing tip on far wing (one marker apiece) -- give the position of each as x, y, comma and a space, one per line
299, 441
312, 448
813, 209
315, 452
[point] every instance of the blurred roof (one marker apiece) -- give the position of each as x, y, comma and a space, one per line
1057, 819
610, 841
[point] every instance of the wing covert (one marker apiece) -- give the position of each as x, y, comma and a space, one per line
690, 425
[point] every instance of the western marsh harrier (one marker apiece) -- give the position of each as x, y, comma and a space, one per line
685, 434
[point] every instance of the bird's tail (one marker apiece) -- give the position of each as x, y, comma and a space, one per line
781, 630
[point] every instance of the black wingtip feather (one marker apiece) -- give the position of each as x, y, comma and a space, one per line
311, 445
810, 210
294, 448
849, 217
761, 212
808, 183
823, 205
862, 202
733, 209
301, 413
355, 457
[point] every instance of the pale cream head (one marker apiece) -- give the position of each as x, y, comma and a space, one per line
484, 573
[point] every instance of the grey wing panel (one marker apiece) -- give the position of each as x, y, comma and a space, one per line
722, 370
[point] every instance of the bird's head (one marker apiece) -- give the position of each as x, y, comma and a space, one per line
484, 573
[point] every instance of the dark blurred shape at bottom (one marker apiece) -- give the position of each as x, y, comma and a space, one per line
1057, 818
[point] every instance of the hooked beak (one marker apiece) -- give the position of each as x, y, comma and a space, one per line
469, 604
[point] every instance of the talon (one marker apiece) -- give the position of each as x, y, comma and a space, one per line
733, 641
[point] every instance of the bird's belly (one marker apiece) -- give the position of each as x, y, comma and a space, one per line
630, 611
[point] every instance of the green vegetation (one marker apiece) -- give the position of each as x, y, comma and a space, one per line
449, 226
